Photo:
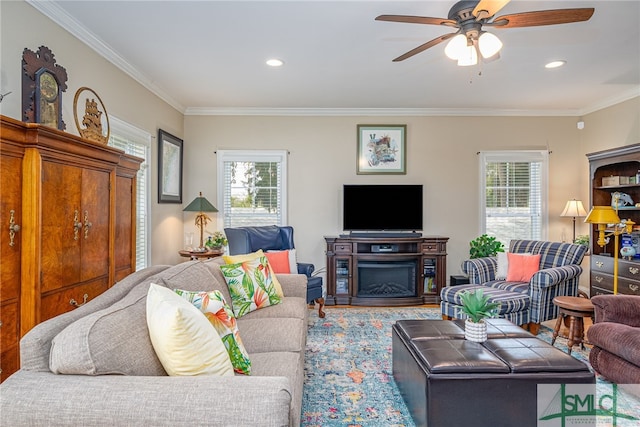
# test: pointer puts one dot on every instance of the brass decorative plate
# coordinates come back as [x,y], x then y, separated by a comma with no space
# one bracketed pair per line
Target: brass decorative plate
[95,121]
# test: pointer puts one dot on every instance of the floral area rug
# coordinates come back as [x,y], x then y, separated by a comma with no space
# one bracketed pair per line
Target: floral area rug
[348,369]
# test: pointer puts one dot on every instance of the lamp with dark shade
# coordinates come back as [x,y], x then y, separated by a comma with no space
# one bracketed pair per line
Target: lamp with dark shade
[201,205]
[574,209]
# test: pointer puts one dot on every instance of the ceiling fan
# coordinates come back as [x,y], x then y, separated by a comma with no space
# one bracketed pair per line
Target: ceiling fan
[470,41]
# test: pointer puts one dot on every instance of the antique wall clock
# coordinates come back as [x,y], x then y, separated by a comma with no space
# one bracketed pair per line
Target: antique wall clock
[43,82]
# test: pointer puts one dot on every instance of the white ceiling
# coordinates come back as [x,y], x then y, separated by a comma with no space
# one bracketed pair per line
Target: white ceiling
[207,57]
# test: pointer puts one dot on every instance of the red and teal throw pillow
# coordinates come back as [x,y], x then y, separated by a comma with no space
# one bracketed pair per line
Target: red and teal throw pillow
[220,315]
[250,285]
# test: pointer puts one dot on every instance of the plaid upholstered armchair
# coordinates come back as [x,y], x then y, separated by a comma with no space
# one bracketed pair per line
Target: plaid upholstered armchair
[526,303]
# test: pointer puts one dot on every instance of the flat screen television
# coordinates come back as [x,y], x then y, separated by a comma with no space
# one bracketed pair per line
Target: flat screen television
[382,207]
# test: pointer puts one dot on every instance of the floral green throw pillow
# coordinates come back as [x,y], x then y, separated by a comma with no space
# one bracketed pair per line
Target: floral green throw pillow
[220,315]
[250,285]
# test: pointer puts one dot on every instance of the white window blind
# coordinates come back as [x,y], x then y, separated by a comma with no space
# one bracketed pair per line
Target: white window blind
[252,187]
[136,142]
[514,189]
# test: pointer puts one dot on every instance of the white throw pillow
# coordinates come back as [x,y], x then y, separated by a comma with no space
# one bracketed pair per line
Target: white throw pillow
[184,340]
[503,266]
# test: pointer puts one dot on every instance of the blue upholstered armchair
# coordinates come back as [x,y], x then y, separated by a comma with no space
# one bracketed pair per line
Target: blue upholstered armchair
[523,303]
[244,240]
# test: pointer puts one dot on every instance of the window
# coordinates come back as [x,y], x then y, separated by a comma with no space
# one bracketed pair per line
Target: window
[514,189]
[252,187]
[136,142]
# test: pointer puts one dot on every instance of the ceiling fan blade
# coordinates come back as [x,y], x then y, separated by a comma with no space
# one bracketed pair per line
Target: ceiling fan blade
[543,17]
[417,20]
[487,8]
[424,47]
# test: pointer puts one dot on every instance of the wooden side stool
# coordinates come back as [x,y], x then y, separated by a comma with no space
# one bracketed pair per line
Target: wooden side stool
[575,309]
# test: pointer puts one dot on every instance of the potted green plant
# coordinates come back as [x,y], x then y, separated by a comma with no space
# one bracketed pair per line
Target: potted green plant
[477,306]
[582,240]
[484,246]
[216,241]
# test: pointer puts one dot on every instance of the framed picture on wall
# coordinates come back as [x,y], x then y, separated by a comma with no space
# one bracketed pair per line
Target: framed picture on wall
[381,149]
[169,168]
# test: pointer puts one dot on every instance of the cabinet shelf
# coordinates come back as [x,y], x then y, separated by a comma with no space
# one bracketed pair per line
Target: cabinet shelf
[622,161]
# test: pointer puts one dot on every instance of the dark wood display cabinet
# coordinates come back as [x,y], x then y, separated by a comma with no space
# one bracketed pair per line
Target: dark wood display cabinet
[385,271]
[613,171]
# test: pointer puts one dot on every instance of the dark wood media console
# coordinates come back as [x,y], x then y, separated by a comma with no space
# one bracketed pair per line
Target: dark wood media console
[385,271]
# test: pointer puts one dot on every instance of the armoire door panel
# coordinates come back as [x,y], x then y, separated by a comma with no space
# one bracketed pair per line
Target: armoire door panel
[95,217]
[61,225]
[11,223]
[125,222]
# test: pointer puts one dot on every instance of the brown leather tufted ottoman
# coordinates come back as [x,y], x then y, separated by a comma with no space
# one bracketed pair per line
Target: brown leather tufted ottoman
[446,380]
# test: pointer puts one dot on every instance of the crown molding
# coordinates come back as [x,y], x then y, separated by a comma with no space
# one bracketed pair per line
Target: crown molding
[58,15]
[605,103]
[372,112]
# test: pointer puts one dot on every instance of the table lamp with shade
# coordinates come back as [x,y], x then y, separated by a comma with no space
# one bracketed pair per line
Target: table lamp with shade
[605,216]
[574,209]
[201,204]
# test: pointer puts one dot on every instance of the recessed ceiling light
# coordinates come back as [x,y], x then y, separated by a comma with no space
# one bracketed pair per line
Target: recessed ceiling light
[274,62]
[555,64]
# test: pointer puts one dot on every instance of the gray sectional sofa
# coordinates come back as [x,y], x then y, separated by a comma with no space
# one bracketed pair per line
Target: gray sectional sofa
[110,375]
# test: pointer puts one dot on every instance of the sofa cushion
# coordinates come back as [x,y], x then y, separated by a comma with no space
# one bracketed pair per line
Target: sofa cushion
[251,285]
[279,261]
[522,267]
[221,316]
[184,340]
[235,259]
[272,334]
[102,342]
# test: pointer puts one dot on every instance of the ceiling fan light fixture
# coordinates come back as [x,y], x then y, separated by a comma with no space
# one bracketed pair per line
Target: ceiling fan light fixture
[456,47]
[470,57]
[489,45]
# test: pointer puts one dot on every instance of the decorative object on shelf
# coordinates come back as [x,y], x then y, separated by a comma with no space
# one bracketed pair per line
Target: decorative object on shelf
[169,168]
[95,121]
[201,205]
[582,239]
[605,216]
[574,209]
[628,252]
[381,149]
[216,241]
[620,199]
[188,241]
[484,246]
[477,306]
[43,82]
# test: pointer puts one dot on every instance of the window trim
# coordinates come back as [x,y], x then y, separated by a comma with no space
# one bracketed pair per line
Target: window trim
[279,156]
[121,129]
[528,156]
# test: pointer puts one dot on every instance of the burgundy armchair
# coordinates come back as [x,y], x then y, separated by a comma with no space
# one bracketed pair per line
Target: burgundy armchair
[615,336]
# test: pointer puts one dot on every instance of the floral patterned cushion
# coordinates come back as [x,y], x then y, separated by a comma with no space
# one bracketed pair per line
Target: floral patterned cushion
[216,309]
[250,285]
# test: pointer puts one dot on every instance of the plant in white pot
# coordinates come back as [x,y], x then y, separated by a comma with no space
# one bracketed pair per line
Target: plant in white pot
[477,306]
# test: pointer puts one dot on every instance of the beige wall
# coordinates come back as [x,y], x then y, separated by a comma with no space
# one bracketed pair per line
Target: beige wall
[25,27]
[441,150]
[441,155]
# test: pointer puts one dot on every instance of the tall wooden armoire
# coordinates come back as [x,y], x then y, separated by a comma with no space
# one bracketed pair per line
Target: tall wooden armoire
[67,226]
